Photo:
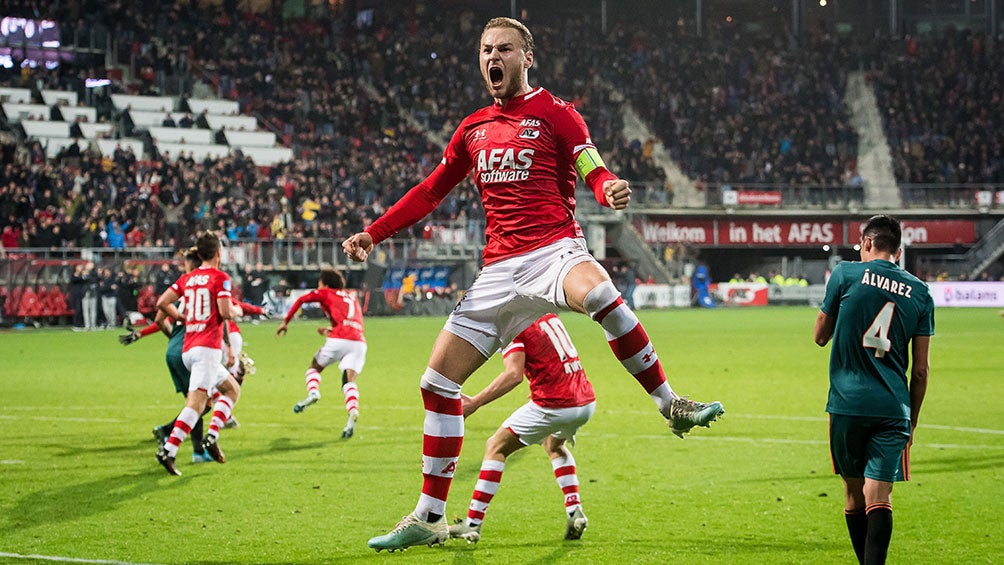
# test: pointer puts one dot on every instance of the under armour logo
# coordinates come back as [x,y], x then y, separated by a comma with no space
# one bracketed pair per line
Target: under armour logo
[647,357]
[449,468]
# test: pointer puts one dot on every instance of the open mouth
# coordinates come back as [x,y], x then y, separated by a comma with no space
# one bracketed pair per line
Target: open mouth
[495,76]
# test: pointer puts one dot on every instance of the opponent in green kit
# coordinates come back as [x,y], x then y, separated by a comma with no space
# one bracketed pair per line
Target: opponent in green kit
[180,374]
[878,316]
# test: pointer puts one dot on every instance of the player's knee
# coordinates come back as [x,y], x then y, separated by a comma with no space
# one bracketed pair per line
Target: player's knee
[437,383]
[601,296]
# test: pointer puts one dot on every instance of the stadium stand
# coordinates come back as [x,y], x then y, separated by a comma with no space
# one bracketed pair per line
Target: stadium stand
[943,127]
[319,136]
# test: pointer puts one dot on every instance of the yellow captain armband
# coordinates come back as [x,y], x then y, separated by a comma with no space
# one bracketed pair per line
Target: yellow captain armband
[588,161]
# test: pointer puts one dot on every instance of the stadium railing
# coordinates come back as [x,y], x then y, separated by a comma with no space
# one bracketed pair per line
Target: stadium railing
[755,196]
[764,196]
[983,197]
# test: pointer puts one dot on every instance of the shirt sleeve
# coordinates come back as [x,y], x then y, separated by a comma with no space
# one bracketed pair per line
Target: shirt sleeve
[515,345]
[926,323]
[225,286]
[176,287]
[831,300]
[423,198]
[573,138]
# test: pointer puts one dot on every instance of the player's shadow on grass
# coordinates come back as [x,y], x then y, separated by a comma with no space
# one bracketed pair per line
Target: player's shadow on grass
[285,444]
[974,461]
[70,503]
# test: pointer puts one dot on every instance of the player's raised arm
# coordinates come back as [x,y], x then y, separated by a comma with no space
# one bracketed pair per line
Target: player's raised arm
[573,135]
[417,203]
[618,193]
[358,246]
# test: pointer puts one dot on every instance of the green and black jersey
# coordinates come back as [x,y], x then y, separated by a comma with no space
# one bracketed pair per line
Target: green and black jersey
[878,308]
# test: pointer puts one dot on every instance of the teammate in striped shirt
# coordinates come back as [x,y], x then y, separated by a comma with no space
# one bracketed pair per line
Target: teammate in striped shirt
[525,151]
[561,402]
[207,294]
[345,343]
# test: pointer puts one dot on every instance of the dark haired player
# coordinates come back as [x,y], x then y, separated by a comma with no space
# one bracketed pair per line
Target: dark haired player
[207,295]
[561,402]
[879,316]
[345,343]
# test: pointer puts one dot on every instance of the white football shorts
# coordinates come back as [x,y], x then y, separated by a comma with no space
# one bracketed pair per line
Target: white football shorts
[532,423]
[511,294]
[204,365]
[350,354]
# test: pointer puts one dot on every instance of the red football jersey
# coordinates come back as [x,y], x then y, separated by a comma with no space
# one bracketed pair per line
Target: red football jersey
[552,365]
[523,158]
[199,290]
[342,309]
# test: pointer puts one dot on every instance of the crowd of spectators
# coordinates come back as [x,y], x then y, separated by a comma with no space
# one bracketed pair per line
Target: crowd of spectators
[736,109]
[942,99]
[366,105]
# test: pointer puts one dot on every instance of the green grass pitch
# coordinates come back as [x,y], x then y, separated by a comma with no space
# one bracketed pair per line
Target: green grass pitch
[78,479]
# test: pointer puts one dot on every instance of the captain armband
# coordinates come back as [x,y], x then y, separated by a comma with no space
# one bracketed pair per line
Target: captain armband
[588,161]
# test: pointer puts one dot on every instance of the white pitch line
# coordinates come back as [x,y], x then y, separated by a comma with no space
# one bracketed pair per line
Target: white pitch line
[780,417]
[68,559]
[916,447]
[63,419]
[959,429]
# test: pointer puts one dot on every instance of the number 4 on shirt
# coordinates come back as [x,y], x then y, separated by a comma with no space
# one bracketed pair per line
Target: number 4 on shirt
[876,336]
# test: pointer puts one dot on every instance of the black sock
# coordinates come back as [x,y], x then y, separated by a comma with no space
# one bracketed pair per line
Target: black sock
[197,437]
[879,534]
[433,517]
[857,527]
[345,378]
[168,427]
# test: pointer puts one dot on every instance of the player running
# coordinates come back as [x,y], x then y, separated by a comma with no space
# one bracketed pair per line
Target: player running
[207,306]
[175,331]
[180,375]
[879,317]
[561,402]
[525,151]
[345,343]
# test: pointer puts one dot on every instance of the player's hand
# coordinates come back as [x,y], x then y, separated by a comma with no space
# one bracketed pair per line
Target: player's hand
[267,310]
[618,193]
[323,330]
[230,358]
[126,339]
[469,406]
[358,246]
[281,330]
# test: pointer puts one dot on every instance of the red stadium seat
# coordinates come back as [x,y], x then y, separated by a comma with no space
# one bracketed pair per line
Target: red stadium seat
[29,306]
[10,309]
[54,302]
